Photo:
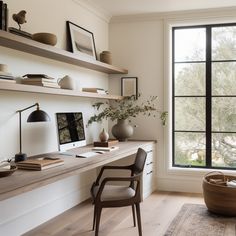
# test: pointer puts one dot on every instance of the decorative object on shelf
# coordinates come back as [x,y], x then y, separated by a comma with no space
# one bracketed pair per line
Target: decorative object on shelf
[67,83]
[3,16]
[124,109]
[129,86]
[81,41]
[105,57]
[46,38]
[20,18]
[103,136]
[35,116]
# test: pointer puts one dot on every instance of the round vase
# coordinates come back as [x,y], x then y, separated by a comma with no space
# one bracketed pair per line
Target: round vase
[122,130]
[105,57]
[104,136]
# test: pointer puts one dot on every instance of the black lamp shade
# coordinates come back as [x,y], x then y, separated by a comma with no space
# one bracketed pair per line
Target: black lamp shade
[38,116]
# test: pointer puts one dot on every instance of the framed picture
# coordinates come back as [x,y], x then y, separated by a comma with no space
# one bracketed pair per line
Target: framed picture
[129,86]
[81,40]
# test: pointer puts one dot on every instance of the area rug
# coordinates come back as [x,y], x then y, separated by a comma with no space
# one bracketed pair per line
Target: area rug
[196,220]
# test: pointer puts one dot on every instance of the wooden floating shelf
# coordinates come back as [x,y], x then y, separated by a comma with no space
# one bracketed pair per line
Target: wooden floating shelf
[19,43]
[54,91]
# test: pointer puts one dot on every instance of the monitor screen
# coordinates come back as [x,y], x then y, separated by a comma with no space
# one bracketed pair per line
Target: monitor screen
[70,128]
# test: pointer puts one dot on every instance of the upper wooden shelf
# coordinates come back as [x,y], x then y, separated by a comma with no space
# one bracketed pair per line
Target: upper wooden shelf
[54,91]
[19,43]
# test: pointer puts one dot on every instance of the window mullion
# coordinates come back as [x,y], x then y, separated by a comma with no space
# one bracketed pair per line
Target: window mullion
[208,95]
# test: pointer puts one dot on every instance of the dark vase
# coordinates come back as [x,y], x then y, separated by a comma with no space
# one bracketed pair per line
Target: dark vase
[122,130]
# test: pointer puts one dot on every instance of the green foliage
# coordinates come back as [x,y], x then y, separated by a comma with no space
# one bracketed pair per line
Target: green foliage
[126,108]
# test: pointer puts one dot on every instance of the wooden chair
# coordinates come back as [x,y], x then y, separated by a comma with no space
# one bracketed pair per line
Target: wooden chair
[105,196]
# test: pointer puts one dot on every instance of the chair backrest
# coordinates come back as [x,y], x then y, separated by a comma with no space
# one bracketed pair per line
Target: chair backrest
[139,161]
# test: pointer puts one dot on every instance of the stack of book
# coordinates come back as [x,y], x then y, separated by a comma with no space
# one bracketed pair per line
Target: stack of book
[20,32]
[7,77]
[39,164]
[109,143]
[3,16]
[94,90]
[40,80]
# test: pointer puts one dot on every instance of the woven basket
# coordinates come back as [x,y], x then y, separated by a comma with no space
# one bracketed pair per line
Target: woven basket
[219,197]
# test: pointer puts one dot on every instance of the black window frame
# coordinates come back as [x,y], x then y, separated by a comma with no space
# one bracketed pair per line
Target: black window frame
[208,95]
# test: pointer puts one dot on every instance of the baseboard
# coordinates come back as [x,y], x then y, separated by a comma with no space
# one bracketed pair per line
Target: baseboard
[180,185]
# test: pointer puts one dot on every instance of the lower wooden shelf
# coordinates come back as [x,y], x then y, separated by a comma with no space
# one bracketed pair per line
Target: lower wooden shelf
[54,91]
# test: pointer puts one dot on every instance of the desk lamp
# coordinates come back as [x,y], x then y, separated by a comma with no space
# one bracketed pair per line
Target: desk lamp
[36,116]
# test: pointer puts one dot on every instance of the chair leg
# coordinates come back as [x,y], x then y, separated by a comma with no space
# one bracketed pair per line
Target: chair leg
[139,219]
[94,217]
[133,213]
[98,217]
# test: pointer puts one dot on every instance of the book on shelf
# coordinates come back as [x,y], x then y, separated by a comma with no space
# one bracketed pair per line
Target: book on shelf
[39,164]
[39,80]
[37,76]
[3,80]
[20,32]
[94,90]
[41,83]
[109,143]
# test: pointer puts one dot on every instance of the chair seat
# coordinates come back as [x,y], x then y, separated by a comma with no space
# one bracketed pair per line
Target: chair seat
[113,192]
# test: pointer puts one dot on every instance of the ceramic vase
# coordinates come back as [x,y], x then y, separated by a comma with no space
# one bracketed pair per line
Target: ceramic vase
[104,136]
[67,83]
[122,130]
[105,57]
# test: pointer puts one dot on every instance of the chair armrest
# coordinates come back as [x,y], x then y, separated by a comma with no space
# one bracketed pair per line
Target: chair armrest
[110,168]
[114,179]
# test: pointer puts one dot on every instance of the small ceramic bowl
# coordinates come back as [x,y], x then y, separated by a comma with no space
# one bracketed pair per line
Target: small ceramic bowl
[46,38]
[7,171]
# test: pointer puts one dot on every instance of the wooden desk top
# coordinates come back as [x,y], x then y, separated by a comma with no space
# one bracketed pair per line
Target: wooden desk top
[26,180]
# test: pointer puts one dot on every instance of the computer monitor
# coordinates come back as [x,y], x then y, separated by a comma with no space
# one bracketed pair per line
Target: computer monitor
[70,128]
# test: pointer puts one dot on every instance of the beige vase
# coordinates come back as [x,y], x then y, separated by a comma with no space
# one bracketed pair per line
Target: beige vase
[105,57]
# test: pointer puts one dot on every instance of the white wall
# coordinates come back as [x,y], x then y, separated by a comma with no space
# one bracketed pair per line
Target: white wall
[44,203]
[142,44]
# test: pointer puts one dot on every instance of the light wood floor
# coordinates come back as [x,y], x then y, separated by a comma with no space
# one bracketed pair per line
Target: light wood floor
[157,212]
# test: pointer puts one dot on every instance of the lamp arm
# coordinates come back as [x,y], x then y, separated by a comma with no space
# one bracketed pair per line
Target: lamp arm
[20,111]
[36,104]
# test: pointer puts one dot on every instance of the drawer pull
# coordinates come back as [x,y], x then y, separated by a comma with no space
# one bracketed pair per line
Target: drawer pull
[150,163]
[150,172]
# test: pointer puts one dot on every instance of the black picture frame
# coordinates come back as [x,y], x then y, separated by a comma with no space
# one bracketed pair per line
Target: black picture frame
[129,86]
[81,41]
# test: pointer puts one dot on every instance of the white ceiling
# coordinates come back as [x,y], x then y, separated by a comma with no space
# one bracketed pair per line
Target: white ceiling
[127,7]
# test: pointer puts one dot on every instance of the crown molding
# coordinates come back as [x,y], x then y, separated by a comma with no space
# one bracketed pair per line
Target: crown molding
[186,14]
[94,9]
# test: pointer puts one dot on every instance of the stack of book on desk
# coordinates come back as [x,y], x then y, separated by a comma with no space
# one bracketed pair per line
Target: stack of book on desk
[39,164]
[109,143]
[94,90]
[40,80]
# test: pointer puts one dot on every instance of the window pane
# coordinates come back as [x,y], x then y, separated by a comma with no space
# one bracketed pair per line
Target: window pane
[190,114]
[224,114]
[223,78]
[190,79]
[190,44]
[224,150]
[224,43]
[190,149]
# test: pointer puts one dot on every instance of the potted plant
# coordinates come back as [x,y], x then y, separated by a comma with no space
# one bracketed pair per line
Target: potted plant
[122,111]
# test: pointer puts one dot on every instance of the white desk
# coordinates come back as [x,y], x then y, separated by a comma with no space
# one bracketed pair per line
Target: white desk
[24,180]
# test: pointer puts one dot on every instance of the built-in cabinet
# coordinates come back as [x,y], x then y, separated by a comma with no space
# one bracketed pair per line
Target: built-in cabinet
[149,173]
[19,43]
